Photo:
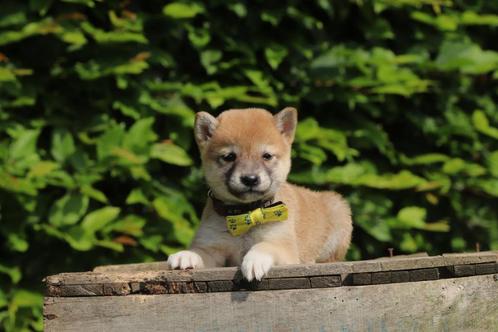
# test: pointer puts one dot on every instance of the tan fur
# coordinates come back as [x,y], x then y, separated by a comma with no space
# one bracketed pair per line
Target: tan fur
[319,226]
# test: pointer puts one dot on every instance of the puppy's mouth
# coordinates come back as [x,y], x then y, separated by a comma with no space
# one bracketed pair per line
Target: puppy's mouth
[249,193]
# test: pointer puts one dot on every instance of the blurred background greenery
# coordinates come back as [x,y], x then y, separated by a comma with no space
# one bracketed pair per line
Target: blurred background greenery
[397,102]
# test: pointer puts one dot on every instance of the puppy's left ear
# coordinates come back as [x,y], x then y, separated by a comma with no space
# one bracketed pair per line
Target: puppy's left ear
[286,122]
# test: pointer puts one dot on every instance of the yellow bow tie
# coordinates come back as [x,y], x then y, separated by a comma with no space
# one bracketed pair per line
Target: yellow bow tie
[242,223]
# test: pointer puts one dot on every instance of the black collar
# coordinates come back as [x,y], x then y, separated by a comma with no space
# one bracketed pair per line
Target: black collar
[229,210]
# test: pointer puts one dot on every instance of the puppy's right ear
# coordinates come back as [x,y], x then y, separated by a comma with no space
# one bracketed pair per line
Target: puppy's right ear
[204,127]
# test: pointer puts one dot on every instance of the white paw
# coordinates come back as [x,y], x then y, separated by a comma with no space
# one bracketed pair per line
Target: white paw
[256,265]
[185,259]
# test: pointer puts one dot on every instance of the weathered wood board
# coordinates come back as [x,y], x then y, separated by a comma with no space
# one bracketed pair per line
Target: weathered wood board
[463,304]
[452,292]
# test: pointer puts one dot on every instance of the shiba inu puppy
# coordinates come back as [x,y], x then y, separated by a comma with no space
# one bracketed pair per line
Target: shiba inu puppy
[254,218]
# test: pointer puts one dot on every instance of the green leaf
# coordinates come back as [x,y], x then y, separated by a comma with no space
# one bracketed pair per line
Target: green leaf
[408,243]
[152,242]
[3,303]
[312,153]
[88,3]
[13,272]
[106,37]
[23,298]
[456,165]
[412,217]
[364,175]
[140,135]
[107,142]
[425,159]
[15,184]
[481,123]
[24,144]
[98,219]
[94,193]
[209,58]
[398,181]
[62,145]
[68,210]
[466,57]
[492,162]
[275,55]
[472,18]
[17,242]
[171,154]
[179,10]
[110,245]
[131,224]
[166,209]
[440,226]
[6,75]
[79,239]
[136,196]
[489,186]
[199,37]
[42,168]
[378,229]
[93,69]
[15,18]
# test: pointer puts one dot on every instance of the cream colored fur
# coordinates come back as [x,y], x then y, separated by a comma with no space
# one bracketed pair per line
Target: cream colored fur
[319,226]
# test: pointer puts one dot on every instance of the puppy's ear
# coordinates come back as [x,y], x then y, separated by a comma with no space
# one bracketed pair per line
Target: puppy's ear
[204,127]
[286,121]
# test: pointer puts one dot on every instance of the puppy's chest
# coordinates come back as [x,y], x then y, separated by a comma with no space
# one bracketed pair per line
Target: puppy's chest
[241,245]
[257,235]
[216,234]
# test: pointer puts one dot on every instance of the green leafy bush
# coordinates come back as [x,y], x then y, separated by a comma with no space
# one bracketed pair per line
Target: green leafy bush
[397,104]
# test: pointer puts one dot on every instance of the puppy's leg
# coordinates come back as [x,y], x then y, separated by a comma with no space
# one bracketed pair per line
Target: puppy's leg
[196,258]
[339,239]
[339,252]
[262,256]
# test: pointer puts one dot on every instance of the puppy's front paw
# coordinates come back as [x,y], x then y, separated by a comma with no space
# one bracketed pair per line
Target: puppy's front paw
[185,259]
[256,265]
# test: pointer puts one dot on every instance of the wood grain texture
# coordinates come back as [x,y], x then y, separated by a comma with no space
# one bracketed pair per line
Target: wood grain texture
[461,304]
[137,272]
[117,281]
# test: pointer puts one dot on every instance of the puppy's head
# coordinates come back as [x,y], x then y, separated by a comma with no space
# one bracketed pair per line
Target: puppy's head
[245,152]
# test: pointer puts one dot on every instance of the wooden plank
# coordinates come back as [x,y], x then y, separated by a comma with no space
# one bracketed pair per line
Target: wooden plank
[161,266]
[400,276]
[464,270]
[471,258]
[138,267]
[486,268]
[412,263]
[381,277]
[328,281]
[418,254]
[400,262]
[391,270]
[230,273]
[460,304]
[424,274]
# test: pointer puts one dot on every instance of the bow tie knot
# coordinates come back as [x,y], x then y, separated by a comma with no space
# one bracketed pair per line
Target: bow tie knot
[240,224]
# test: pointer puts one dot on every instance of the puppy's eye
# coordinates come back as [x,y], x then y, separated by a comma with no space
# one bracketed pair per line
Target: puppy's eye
[267,156]
[229,157]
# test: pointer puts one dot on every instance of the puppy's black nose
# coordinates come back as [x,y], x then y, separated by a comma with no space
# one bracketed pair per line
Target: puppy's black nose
[250,180]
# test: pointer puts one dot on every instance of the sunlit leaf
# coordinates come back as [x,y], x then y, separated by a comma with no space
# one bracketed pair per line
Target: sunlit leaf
[68,210]
[98,219]
[182,10]
[171,154]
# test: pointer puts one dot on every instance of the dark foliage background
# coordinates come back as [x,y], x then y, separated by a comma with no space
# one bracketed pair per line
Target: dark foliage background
[397,102]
